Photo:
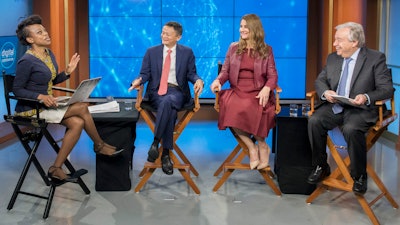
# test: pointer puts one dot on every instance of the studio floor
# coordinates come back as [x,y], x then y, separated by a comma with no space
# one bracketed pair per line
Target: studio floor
[244,199]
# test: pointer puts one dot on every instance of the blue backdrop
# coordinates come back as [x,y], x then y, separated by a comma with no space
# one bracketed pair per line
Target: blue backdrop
[121,31]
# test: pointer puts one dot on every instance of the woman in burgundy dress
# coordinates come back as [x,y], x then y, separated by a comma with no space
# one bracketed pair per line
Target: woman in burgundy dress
[248,106]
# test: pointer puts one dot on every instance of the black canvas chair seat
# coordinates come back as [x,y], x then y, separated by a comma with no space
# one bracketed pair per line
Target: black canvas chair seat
[147,106]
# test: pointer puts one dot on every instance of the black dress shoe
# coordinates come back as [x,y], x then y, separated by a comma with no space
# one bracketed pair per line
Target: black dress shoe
[318,174]
[360,185]
[167,166]
[153,152]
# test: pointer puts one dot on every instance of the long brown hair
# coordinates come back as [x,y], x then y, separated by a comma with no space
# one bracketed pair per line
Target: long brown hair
[256,34]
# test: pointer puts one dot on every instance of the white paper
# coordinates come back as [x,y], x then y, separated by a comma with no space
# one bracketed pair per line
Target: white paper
[346,100]
[112,106]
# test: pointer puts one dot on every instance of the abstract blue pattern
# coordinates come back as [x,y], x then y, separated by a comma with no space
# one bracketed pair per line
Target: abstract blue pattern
[121,31]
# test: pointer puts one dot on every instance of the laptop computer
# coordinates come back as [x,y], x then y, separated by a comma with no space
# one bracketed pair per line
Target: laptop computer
[82,92]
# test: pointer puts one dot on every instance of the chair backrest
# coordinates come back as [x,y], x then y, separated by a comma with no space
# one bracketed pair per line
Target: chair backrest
[8,81]
[142,103]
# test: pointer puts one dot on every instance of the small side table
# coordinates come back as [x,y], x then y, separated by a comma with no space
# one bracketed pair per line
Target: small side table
[117,129]
[293,162]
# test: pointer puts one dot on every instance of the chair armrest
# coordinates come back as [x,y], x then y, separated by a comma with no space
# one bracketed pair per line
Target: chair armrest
[139,98]
[385,119]
[312,95]
[216,103]
[278,91]
[196,102]
[37,103]
[26,99]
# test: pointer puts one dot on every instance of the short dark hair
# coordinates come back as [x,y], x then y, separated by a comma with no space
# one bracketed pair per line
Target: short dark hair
[177,27]
[22,32]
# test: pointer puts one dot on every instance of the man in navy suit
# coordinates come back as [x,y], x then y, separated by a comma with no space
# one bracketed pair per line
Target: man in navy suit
[365,78]
[182,69]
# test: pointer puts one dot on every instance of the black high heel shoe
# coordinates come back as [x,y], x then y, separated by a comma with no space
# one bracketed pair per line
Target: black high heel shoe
[99,147]
[58,180]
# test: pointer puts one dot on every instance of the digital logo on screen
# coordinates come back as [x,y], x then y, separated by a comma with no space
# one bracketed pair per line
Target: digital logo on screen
[8,55]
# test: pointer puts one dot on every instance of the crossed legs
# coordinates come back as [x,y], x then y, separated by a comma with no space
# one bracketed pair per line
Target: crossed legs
[167,111]
[76,119]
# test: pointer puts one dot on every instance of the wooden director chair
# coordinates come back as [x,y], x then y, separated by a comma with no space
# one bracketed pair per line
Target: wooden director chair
[340,178]
[180,161]
[30,131]
[234,160]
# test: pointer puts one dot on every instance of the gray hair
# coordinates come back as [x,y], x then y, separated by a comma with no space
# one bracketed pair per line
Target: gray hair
[356,32]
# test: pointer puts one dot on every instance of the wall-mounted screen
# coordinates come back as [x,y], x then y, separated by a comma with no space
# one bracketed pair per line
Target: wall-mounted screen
[121,31]
[9,53]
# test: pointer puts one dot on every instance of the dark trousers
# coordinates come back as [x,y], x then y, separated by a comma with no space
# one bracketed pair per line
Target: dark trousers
[167,107]
[353,127]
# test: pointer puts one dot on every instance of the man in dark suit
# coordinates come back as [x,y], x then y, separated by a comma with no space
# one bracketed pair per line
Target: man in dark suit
[362,75]
[178,62]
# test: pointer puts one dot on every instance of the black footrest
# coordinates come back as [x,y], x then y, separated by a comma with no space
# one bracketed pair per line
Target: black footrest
[74,176]
[79,173]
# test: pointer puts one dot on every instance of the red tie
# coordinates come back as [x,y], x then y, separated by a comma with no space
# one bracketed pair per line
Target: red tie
[164,76]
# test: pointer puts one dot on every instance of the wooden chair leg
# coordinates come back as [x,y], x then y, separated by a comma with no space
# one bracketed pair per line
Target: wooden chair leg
[228,159]
[342,166]
[367,209]
[223,179]
[266,175]
[189,180]
[229,167]
[372,174]
[146,176]
[185,159]
[184,169]
[341,179]
[231,164]
[319,190]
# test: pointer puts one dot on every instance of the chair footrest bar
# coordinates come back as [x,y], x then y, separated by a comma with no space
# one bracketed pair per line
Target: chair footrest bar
[79,173]
[332,182]
[33,195]
[377,198]
[238,166]
[149,165]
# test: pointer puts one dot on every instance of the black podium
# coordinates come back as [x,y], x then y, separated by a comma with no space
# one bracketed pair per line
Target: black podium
[292,154]
[117,129]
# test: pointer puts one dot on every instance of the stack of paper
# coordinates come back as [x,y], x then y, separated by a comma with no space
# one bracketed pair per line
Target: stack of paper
[346,100]
[105,107]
